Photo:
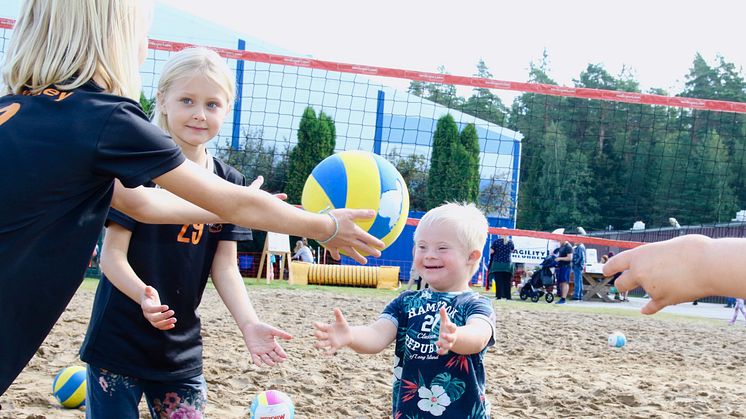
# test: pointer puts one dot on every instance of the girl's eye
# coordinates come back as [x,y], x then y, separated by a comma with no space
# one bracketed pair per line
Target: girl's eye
[213,105]
[186,101]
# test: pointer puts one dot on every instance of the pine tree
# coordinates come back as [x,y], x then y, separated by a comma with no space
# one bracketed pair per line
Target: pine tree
[316,141]
[470,142]
[445,135]
[454,164]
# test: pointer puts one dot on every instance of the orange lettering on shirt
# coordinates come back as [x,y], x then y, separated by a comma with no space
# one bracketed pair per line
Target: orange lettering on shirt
[7,112]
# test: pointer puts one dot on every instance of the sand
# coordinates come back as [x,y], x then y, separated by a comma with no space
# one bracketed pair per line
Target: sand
[545,363]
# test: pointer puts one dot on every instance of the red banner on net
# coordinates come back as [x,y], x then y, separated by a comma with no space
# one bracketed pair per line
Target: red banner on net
[544,89]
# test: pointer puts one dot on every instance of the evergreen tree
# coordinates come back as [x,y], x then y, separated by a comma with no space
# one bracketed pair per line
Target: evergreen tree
[438,184]
[531,114]
[484,104]
[454,166]
[470,142]
[316,141]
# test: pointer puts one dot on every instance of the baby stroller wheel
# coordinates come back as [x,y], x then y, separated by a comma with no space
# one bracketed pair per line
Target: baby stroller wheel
[524,294]
[535,298]
[549,297]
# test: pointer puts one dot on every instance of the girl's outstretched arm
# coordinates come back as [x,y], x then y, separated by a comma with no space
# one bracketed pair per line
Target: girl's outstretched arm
[259,337]
[252,207]
[159,206]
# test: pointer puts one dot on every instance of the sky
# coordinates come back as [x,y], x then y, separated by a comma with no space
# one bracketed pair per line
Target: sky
[656,39]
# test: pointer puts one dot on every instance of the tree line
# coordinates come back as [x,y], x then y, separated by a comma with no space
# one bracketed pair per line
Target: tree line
[605,165]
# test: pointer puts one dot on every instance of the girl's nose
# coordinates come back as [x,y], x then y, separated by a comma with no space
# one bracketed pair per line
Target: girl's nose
[199,115]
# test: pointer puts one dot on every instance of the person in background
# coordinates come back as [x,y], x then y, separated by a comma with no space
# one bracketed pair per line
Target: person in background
[414,279]
[501,268]
[563,270]
[302,252]
[578,266]
[738,307]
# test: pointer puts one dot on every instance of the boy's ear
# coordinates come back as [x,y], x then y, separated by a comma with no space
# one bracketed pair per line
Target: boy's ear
[475,255]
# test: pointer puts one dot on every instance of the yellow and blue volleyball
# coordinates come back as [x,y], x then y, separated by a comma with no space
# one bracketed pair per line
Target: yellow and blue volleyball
[360,180]
[69,387]
[272,404]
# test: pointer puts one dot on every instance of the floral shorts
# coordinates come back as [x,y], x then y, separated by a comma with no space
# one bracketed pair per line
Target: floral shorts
[116,395]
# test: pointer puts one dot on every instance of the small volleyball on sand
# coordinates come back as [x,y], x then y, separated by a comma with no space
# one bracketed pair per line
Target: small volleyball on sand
[69,387]
[617,340]
[272,404]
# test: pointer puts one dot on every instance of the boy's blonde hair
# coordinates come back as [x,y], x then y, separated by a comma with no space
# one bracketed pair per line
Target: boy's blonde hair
[468,220]
[66,43]
[192,62]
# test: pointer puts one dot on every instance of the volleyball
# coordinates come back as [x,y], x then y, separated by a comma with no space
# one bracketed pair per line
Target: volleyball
[272,404]
[69,387]
[361,180]
[617,340]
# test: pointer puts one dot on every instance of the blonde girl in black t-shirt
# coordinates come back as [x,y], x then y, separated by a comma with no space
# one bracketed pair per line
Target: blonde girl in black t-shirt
[73,139]
[147,351]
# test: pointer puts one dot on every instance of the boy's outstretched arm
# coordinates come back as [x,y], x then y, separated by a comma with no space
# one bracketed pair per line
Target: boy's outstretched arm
[468,339]
[682,269]
[260,338]
[370,339]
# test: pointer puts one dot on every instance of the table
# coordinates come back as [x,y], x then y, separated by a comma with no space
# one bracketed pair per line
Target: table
[598,287]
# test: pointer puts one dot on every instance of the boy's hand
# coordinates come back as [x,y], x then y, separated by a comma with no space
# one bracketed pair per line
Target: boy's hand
[668,271]
[448,333]
[262,345]
[331,337]
[156,313]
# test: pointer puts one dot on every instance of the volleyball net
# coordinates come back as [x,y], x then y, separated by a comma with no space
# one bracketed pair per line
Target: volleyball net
[600,156]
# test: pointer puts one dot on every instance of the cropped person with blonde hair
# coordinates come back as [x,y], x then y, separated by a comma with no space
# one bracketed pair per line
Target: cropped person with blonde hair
[71,131]
[442,333]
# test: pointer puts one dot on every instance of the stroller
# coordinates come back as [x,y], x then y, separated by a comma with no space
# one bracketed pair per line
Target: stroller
[541,282]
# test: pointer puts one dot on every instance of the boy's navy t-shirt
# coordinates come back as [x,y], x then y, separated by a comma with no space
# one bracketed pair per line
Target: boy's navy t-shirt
[428,385]
[176,261]
[59,154]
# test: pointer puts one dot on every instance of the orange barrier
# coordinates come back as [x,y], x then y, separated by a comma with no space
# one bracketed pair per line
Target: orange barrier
[303,273]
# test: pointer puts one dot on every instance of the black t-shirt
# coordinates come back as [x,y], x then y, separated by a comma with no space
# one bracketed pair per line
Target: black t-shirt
[59,154]
[175,260]
[564,250]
